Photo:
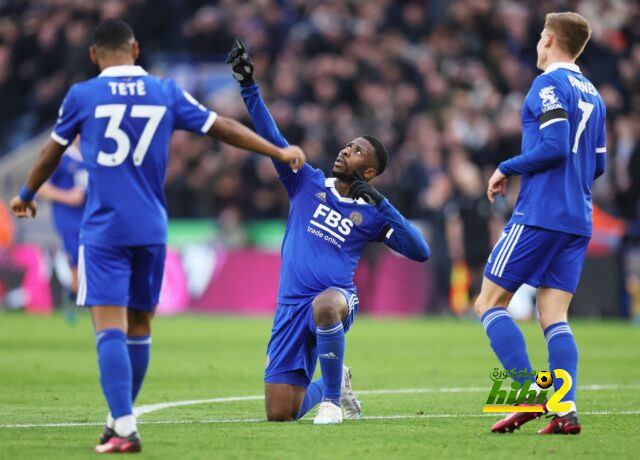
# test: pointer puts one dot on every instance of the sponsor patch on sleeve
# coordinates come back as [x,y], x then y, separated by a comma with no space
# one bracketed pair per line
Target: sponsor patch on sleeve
[548,99]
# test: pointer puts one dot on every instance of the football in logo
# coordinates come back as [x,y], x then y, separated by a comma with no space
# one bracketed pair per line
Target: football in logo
[355,217]
[544,379]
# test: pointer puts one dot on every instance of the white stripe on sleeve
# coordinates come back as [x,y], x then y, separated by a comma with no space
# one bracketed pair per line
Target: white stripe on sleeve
[60,140]
[552,121]
[207,124]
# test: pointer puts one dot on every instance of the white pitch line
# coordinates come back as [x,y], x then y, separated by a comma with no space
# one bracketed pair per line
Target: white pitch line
[146,409]
[159,406]
[262,420]
[393,391]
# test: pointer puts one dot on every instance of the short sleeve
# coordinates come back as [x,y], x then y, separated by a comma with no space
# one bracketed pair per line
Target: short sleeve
[188,113]
[68,123]
[547,101]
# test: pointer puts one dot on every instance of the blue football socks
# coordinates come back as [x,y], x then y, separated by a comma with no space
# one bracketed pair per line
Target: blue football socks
[563,354]
[312,397]
[115,371]
[139,347]
[330,343]
[507,341]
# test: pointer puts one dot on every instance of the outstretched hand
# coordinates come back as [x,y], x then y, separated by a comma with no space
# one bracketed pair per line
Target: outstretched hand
[497,185]
[241,64]
[23,208]
[360,188]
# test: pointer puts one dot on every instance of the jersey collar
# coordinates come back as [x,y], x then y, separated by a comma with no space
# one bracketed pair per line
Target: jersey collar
[330,183]
[562,65]
[123,71]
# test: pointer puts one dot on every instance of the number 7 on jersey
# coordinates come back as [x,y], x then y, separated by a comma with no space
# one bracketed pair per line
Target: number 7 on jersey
[586,108]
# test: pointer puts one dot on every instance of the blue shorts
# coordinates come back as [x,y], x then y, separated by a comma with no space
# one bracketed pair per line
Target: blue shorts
[127,276]
[71,242]
[292,354]
[538,257]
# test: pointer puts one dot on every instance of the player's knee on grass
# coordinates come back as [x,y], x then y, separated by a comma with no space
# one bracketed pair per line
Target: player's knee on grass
[280,414]
[282,402]
[329,307]
[139,322]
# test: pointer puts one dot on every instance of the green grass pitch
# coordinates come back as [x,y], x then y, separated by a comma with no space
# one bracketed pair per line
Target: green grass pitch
[48,376]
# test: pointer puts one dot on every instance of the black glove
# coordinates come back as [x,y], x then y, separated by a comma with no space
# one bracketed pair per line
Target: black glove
[363,189]
[241,64]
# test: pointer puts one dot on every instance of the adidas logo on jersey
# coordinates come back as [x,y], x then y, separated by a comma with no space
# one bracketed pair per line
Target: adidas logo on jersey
[322,195]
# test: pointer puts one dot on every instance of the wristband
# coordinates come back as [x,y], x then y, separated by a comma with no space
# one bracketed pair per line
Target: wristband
[26,195]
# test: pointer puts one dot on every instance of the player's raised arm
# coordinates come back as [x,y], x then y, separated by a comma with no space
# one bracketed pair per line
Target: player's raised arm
[265,125]
[47,161]
[399,234]
[192,116]
[234,133]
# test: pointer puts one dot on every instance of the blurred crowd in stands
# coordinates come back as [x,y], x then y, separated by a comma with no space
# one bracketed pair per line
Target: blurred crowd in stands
[440,82]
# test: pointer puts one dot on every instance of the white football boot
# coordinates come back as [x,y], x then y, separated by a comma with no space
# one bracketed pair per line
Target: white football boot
[351,407]
[328,414]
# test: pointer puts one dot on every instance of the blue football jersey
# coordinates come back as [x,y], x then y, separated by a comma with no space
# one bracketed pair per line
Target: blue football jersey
[125,119]
[559,198]
[70,173]
[325,236]
[326,233]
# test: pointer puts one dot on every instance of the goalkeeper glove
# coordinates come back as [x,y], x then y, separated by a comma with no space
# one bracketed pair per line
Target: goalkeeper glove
[363,189]
[241,64]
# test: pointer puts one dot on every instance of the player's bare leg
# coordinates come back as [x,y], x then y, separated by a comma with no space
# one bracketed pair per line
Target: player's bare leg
[329,307]
[110,323]
[506,340]
[74,280]
[69,309]
[109,317]
[491,296]
[282,401]
[553,305]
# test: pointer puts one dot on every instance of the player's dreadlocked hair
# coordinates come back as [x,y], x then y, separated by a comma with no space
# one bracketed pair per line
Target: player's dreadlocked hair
[113,34]
[382,157]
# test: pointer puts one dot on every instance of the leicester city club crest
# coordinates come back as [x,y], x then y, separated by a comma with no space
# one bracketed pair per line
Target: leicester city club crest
[355,217]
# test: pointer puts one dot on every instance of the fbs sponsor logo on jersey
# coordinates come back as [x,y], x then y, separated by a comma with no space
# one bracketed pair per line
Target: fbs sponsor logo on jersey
[549,99]
[522,393]
[329,225]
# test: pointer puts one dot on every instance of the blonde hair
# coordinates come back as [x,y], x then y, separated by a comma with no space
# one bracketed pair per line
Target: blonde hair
[572,31]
